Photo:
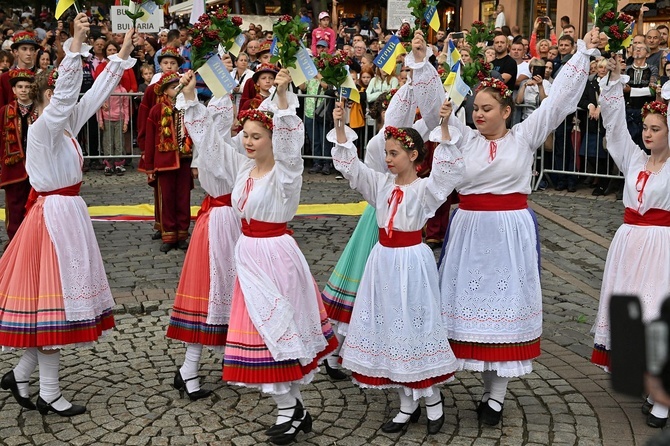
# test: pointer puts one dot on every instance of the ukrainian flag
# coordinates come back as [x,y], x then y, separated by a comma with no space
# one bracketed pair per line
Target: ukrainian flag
[452,74]
[62,6]
[453,56]
[386,59]
[217,77]
[432,18]
[458,90]
[349,90]
[305,68]
[237,45]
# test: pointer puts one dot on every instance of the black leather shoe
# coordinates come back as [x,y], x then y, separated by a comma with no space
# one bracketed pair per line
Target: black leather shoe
[43,407]
[480,406]
[180,384]
[490,416]
[167,247]
[572,188]
[334,374]
[653,421]
[646,407]
[391,427]
[182,244]
[598,191]
[305,426]
[10,383]
[156,235]
[560,187]
[278,429]
[434,426]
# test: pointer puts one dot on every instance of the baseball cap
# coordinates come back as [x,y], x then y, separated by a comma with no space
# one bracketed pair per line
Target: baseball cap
[322,43]
[323,15]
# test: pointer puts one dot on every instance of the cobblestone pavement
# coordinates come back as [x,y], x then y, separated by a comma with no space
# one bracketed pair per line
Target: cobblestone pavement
[125,381]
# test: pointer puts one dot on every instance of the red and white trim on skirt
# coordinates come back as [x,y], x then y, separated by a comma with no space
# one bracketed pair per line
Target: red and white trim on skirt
[385,382]
[601,356]
[516,351]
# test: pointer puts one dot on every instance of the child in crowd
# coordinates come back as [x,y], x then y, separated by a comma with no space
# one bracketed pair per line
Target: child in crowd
[113,118]
[264,78]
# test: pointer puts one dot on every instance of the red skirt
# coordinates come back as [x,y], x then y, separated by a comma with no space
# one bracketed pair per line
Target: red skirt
[518,351]
[32,312]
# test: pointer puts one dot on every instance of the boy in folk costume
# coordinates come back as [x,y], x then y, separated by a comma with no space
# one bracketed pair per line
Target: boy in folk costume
[24,50]
[15,117]
[167,161]
[263,79]
[169,62]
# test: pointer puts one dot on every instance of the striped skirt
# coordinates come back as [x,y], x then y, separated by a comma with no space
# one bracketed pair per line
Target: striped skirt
[32,311]
[340,291]
[247,359]
[192,305]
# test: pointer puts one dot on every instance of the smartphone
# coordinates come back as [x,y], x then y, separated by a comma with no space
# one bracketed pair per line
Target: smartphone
[350,30]
[539,71]
[628,355]
[375,22]
[458,35]
[544,19]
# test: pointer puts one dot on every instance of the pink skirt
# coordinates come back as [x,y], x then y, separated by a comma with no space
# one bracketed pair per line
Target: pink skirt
[32,311]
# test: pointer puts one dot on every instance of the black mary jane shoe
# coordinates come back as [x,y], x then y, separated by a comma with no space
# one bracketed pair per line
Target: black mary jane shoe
[305,426]
[489,415]
[646,407]
[180,384]
[43,407]
[334,374]
[434,426]
[10,383]
[655,422]
[480,406]
[391,427]
[278,429]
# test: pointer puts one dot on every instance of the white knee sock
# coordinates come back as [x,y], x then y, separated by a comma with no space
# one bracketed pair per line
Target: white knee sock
[434,404]
[659,411]
[333,358]
[285,407]
[190,367]
[49,385]
[487,377]
[295,392]
[498,391]
[407,405]
[24,369]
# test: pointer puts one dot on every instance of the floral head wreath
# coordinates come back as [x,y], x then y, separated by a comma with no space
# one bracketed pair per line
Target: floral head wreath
[164,81]
[655,107]
[52,77]
[21,74]
[388,97]
[496,84]
[263,117]
[399,135]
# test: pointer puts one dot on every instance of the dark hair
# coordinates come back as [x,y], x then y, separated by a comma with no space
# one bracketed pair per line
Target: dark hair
[173,34]
[376,108]
[663,26]
[506,31]
[569,26]
[153,42]
[568,38]
[40,85]
[419,145]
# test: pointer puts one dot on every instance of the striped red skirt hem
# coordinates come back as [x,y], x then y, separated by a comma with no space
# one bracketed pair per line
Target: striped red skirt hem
[601,356]
[336,309]
[265,370]
[518,351]
[188,330]
[385,382]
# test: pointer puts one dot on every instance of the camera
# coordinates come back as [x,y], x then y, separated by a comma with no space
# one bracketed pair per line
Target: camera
[458,35]
[638,348]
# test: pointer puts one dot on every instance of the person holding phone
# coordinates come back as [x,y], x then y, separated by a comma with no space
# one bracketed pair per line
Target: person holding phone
[534,90]
[535,49]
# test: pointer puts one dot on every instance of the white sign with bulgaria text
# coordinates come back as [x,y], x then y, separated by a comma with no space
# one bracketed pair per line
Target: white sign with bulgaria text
[122,23]
[397,11]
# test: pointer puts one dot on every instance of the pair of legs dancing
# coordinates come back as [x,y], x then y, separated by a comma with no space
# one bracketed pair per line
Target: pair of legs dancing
[50,397]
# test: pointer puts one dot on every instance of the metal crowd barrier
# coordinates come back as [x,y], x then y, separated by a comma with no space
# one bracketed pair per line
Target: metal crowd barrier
[554,161]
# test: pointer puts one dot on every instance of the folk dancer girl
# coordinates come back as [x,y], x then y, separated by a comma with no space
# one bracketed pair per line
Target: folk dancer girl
[489,271]
[278,328]
[638,260]
[53,286]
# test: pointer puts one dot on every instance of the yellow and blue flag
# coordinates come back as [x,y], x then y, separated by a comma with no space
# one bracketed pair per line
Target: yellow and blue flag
[451,77]
[386,59]
[453,55]
[432,18]
[305,68]
[237,45]
[458,90]
[62,6]
[349,90]
[217,77]
[274,47]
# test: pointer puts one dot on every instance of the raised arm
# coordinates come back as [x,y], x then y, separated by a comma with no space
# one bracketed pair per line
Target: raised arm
[345,159]
[428,89]
[565,94]
[288,135]
[105,83]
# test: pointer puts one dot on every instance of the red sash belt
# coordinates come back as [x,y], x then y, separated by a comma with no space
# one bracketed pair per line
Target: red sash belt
[399,239]
[492,202]
[214,202]
[69,191]
[653,217]
[264,229]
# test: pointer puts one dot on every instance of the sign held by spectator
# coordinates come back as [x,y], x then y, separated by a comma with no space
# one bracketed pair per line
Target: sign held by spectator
[122,23]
